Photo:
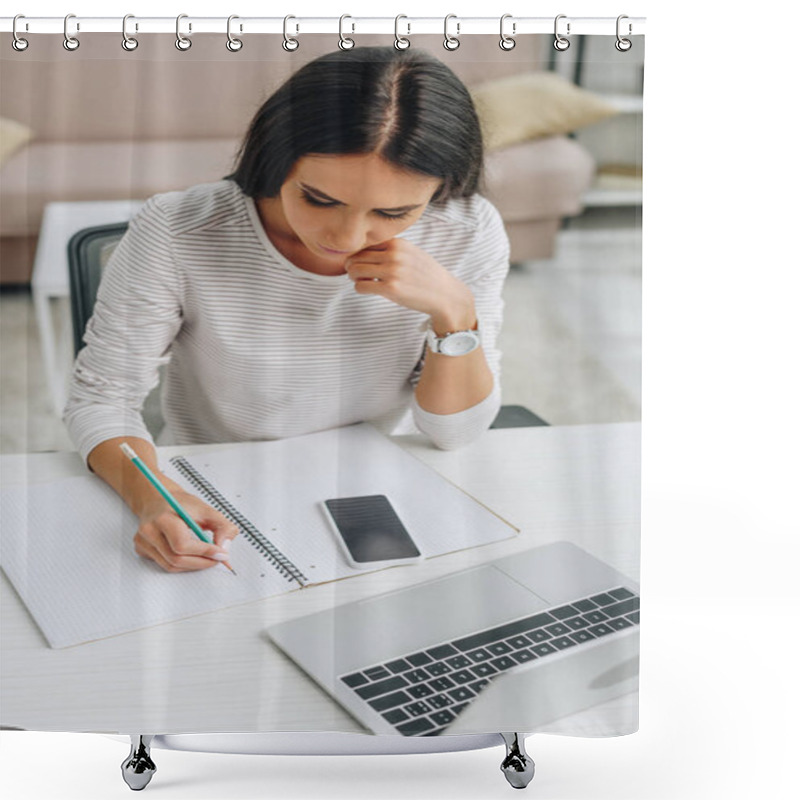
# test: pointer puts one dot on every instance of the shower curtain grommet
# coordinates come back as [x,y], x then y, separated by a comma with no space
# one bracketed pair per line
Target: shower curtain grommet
[181,42]
[451,42]
[622,44]
[401,42]
[71,43]
[561,43]
[129,43]
[507,42]
[345,43]
[233,44]
[17,42]
[290,44]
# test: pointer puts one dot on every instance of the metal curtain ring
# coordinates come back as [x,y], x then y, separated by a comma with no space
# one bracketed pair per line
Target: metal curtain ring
[233,44]
[623,45]
[344,42]
[506,41]
[290,44]
[70,42]
[181,42]
[18,43]
[400,42]
[128,42]
[560,43]
[451,42]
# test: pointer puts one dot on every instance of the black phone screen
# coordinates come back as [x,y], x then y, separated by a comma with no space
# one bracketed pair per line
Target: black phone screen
[371,529]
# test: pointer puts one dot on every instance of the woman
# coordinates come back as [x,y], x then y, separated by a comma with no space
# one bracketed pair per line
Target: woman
[347,270]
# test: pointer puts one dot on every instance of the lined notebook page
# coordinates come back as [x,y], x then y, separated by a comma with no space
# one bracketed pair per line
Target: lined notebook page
[67,546]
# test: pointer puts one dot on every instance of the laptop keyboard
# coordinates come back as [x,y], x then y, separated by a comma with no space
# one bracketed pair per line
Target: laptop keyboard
[422,693]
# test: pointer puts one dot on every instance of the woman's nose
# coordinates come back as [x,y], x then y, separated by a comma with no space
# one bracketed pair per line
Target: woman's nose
[348,235]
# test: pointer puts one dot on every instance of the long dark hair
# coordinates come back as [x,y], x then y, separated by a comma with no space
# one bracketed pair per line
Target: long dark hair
[406,106]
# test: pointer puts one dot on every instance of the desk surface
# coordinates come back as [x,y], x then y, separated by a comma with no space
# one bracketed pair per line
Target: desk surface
[220,672]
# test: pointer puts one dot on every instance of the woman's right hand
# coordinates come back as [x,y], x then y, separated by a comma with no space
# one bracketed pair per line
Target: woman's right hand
[166,539]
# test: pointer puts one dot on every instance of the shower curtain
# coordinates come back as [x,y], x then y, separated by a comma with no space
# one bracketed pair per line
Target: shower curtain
[376,332]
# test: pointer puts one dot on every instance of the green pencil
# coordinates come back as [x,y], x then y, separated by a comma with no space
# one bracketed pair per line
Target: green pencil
[164,492]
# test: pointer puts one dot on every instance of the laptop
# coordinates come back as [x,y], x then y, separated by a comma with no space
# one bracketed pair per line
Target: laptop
[512,644]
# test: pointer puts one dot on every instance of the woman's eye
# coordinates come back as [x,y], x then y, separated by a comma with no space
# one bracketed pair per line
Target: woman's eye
[314,202]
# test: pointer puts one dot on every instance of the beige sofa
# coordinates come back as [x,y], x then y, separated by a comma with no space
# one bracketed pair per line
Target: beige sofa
[109,124]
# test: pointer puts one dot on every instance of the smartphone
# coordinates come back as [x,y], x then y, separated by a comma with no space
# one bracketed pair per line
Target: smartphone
[370,532]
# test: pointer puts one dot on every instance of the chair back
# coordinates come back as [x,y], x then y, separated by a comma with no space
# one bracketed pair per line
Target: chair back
[88,252]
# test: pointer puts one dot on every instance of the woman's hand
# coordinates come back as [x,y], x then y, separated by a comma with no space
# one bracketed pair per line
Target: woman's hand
[405,274]
[165,538]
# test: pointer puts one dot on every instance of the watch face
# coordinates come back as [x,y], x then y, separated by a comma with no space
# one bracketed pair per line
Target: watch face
[459,344]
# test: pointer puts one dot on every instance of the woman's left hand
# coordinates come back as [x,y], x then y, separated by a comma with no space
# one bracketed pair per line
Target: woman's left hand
[405,274]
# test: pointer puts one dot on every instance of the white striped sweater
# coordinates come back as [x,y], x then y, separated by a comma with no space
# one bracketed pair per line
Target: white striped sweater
[257,348]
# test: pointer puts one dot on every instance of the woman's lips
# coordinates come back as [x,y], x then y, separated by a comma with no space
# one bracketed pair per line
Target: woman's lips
[334,252]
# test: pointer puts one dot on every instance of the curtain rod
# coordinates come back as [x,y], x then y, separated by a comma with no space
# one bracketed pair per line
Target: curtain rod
[296,26]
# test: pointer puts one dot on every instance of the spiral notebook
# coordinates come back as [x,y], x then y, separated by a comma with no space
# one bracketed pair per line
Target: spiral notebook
[68,547]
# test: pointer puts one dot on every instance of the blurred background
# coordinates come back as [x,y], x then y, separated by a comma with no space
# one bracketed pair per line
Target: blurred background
[83,142]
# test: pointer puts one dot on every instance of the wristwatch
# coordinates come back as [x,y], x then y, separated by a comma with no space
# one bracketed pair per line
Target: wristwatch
[456,343]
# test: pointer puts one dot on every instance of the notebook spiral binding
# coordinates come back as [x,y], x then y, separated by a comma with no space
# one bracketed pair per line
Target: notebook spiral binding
[283,565]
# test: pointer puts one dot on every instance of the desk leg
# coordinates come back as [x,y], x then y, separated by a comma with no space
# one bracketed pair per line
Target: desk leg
[138,768]
[518,766]
[44,322]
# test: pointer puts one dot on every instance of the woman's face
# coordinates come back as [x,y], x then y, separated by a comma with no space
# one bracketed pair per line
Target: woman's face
[335,206]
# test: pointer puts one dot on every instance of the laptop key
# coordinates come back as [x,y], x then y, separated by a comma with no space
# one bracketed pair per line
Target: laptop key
[625,607]
[462,676]
[459,708]
[442,717]
[484,670]
[518,642]
[439,701]
[461,694]
[381,687]
[563,642]
[388,701]
[539,636]
[559,629]
[398,666]
[415,726]
[419,690]
[356,679]
[563,612]
[442,651]
[499,648]
[440,684]
[376,673]
[479,655]
[577,623]
[417,709]
[578,636]
[584,605]
[458,662]
[601,629]
[395,715]
[417,675]
[504,662]
[602,599]
[523,656]
[438,668]
[595,616]
[634,618]
[543,649]
[621,594]
[478,685]
[619,623]
[419,659]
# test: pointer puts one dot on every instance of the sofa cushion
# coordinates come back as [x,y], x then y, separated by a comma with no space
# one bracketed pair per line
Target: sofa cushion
[531,105]
[13,135]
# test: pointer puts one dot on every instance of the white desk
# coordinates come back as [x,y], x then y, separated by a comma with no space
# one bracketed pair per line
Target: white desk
[219,672]
[50,279]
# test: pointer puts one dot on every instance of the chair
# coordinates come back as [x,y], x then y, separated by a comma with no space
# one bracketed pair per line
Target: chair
[88,252]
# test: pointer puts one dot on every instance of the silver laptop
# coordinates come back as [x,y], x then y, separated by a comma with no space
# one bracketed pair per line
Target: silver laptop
[512,644]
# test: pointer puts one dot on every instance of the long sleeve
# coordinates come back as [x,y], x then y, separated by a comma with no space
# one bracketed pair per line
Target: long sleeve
[136,316]
[490,250]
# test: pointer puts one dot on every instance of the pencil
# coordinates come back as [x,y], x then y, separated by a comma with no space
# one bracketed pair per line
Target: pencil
[164,492]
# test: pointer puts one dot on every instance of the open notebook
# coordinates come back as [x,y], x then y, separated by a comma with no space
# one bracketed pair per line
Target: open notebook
[67,545]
